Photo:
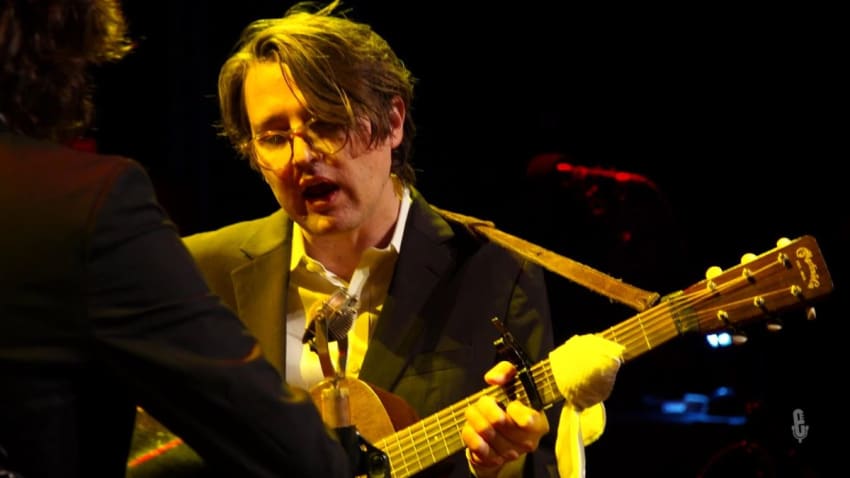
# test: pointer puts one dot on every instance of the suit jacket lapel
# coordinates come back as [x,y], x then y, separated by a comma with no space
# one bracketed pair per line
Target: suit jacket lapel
[260,285]
[425,256]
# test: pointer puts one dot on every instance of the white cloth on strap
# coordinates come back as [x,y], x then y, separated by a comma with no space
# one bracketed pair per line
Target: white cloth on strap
[584,368]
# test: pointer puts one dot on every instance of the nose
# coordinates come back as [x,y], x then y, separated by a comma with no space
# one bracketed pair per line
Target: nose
[303,152]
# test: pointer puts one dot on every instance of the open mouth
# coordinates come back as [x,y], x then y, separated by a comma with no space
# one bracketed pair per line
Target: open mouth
[319,191]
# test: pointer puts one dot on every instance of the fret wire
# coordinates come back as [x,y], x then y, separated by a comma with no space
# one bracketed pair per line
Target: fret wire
[410,435]
[427,441]
[443,433]
[456,417]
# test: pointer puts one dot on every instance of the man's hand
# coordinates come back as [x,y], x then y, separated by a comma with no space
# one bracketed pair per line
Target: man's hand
[495,436]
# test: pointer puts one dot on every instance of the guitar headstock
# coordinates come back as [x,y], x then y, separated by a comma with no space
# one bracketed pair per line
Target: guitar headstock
[791,276]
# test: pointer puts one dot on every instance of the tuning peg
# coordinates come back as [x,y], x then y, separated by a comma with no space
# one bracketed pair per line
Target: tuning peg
[713,272]
[748,257]
[782,242]
[811,314]
[774,326]
[739,338]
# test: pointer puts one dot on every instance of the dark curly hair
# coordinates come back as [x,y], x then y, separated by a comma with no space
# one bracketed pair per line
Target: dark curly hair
[46,49]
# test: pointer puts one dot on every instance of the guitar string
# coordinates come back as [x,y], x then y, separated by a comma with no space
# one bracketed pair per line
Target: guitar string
[457,417]
[654,324]
[420,440]
[651,324]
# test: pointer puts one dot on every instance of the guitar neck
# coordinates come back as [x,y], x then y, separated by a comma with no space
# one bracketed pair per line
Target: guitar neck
[788,277]
[438,436]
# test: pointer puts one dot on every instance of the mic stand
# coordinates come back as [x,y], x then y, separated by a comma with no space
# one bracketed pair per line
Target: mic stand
[364,457]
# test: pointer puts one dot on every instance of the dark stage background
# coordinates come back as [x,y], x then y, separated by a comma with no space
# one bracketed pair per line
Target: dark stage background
[727,118]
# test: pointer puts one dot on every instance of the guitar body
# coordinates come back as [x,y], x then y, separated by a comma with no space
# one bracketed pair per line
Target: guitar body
[375,412]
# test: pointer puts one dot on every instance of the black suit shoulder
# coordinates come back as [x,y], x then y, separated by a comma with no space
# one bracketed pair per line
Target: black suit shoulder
[51,196]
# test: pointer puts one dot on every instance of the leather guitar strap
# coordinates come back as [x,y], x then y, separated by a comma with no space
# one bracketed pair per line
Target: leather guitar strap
[320,342]
[577,272]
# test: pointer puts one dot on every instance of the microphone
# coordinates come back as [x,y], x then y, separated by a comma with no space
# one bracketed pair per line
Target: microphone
[339,311]
[332,321]
[336,316]
[799,429]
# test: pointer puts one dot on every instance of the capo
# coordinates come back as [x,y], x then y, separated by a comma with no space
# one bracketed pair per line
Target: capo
[509,350]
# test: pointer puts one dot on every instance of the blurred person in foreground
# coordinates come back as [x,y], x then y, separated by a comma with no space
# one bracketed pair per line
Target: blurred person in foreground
[102,308]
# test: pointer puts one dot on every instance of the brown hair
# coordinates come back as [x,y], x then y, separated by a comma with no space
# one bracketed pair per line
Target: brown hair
[345,70]
[46,49]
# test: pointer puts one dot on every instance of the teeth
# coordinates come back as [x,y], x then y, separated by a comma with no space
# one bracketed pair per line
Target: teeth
[309,183]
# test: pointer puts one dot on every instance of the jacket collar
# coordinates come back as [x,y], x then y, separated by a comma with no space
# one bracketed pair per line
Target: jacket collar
[425,257]
[271,233]
[259,284]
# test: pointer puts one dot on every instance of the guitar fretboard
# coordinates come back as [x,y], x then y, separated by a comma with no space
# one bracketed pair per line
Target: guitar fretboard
[790,276]
[438,436]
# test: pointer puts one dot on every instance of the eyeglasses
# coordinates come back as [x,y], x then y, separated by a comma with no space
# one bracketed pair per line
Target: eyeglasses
[274,148]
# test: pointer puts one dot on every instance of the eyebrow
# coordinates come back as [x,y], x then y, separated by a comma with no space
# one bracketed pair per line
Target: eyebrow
[275,123]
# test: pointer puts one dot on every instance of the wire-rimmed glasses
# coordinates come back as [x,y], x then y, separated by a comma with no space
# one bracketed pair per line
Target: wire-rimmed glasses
[275,148]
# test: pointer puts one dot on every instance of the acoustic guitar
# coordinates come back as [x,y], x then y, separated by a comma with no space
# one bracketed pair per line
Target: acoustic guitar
[791,276]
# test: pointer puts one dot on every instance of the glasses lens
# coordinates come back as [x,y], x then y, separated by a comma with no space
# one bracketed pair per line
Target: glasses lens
[274,148]
[325,137]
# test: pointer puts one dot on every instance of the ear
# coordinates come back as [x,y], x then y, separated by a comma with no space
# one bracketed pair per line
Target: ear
[397,115]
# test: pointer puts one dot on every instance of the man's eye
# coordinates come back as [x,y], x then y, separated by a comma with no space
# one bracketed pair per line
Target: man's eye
[274,139]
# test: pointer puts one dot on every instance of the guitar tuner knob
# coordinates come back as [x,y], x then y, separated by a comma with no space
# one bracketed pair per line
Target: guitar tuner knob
[713,272]
[748,257]
[782,242]
[774,326]
[739,339]
[811,314]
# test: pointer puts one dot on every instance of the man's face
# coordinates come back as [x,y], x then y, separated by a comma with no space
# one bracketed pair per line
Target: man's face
[325,189]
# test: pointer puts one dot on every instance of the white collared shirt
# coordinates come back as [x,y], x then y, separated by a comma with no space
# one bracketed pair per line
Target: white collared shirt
[310,284]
